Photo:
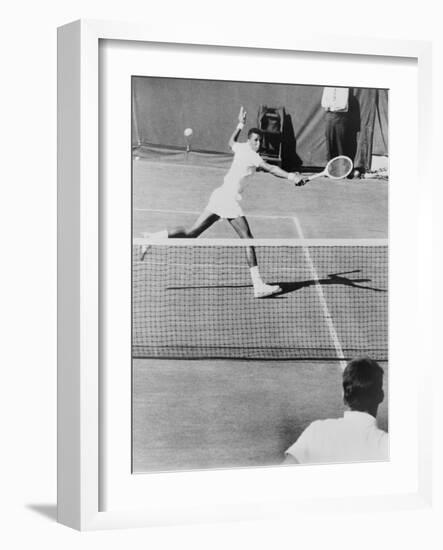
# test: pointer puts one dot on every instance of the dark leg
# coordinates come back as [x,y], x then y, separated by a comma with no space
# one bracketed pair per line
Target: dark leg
[329,128]
[243,230]
[335,133]
[204,221]
[340,135]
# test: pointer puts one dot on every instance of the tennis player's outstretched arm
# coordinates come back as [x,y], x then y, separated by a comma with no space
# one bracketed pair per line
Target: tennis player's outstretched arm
[293,177]
[239,127]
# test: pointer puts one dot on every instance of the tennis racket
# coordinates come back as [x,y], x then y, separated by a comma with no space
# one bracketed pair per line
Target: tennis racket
[336,169]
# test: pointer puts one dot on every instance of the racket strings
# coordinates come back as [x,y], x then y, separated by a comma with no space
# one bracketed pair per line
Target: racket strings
[339,167]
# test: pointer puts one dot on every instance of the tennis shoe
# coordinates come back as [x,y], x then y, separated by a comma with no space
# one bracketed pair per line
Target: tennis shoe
[261,291]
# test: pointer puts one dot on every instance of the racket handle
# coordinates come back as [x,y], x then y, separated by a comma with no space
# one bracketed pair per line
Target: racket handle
[322,173]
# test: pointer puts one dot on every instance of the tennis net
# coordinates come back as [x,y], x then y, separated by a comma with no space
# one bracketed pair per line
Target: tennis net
[197,302]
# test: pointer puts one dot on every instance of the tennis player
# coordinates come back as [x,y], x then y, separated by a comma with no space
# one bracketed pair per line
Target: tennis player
[224,202]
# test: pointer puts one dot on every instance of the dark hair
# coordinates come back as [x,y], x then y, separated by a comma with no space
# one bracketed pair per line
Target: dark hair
[254,131]
[363,384]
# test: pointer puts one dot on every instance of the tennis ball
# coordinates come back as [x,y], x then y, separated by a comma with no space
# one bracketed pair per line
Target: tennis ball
[188,132]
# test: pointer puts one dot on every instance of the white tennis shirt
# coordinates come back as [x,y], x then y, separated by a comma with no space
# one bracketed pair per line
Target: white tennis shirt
[335,99]
[244,164]
[353,438]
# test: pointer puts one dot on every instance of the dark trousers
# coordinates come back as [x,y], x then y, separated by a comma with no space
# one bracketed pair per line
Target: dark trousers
[335,133]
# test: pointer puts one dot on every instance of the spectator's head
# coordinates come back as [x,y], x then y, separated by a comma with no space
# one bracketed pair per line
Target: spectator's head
[363,385]
[254,138]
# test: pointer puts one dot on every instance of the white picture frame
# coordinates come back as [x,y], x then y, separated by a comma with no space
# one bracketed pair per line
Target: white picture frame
[80,367]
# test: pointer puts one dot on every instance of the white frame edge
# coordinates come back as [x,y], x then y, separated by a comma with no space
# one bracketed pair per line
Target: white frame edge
[68,278]
[78,259]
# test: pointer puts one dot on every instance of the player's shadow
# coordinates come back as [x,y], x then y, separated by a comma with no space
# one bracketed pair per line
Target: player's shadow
[332,279]
[290,159]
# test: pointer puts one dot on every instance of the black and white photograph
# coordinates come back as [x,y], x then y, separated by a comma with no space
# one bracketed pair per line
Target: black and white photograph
[259,274]
[224,339]
[196,160]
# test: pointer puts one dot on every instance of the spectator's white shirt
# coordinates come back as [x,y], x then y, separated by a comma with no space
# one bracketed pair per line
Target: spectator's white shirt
[243,166]
[335,99]
[353,438]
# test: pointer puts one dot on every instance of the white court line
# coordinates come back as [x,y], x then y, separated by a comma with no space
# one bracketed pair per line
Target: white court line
[281,241]
[322,299]
[183,164]
[237,242]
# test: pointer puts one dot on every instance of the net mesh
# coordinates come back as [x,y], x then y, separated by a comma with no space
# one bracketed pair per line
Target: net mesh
[198,302]
[339,167]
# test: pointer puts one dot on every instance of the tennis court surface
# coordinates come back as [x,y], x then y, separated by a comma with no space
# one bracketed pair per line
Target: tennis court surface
[221,379]
[171,189]
[226,414]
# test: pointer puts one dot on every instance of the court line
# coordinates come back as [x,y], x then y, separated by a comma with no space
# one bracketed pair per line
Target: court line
[184,164]
[314,274]
[196,213]
[237,242]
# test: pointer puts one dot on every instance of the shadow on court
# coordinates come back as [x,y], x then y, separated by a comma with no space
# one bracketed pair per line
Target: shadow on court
[289,287]
[333,279]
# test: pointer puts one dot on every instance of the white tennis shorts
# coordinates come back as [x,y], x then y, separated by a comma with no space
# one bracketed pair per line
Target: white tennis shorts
[225,203]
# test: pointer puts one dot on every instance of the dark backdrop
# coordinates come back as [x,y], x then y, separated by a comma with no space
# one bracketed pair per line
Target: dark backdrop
[164,107]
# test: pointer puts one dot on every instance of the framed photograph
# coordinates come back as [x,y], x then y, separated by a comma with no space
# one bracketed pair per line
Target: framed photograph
[238,244]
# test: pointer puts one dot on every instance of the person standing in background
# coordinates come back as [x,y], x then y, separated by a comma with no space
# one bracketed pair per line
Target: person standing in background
[335,102]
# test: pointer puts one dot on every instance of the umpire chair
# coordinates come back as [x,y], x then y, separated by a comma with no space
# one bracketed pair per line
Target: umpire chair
[270,122]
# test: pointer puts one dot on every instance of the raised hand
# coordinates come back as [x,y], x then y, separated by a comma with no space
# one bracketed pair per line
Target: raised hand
[242,115]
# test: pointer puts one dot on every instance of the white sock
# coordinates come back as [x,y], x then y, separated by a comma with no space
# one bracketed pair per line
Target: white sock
[255,276]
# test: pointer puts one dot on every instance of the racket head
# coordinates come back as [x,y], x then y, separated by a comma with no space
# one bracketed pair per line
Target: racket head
[339,167]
